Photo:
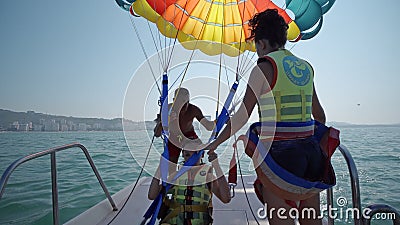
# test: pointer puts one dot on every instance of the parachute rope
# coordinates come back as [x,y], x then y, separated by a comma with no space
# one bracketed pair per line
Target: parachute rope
[243,184]
[145,53]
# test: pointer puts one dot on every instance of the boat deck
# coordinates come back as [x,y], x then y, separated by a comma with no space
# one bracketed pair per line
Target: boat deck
[237,212]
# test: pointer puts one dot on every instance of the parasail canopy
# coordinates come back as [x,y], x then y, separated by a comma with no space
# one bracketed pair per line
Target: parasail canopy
[215,26]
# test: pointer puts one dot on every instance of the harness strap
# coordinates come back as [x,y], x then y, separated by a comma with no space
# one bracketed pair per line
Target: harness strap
[288,179]
[303,105]
[178,208]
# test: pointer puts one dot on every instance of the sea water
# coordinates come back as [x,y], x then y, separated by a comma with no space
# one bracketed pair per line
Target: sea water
[27,196]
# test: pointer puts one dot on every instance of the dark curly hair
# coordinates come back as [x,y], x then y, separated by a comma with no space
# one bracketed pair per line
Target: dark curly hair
[269,25]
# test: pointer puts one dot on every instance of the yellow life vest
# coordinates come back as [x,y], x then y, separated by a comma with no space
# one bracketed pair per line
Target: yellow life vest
[190,199]
[291,96]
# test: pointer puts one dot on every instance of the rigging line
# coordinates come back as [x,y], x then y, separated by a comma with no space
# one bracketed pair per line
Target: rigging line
[241,177]
[240,43]
[163,58]
[193,51]
[249,64]
[243,61]
[248,52]
[183,77]
[137,180]
[293,45]
[165,36]
[226,73]
[145,53]
[160,59]
[236,100]
[220,59]
[177,78]
[173,83]
[177,32]
[170,50]
[201,31]
[168,55]
[159,47]
[235,103]
[219,85]
[250,61]
[162,50]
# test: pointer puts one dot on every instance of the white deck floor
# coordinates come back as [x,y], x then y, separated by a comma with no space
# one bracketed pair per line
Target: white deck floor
[237,212]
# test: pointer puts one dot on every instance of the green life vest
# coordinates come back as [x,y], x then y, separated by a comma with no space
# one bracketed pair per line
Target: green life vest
[190,199]
[291,96]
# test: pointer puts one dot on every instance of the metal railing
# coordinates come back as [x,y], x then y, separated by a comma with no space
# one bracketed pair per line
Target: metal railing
[52,151]
[355,194]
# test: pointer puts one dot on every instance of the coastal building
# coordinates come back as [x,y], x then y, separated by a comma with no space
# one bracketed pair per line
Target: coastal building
[38,127]
[17,126]
[23,127]
[14,126]
[51,125]
[64,127]
[97,126]
[82,127]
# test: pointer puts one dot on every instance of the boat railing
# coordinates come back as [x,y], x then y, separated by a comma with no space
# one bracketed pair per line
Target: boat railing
[52,152]
[356,200]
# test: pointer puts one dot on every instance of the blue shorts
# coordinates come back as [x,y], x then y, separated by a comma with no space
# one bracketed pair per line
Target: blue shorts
[301,157]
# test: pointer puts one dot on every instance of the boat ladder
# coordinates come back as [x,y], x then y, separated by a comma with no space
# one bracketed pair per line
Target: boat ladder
[52,152]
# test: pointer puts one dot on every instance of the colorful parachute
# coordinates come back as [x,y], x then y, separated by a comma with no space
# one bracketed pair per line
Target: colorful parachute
[225,21]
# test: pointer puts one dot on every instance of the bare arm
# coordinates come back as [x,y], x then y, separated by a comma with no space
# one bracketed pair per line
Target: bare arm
[158,129]
[317,110]
[155,186]
[219,185]
[208,124]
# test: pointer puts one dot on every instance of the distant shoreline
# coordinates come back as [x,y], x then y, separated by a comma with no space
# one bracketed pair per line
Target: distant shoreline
[31,121]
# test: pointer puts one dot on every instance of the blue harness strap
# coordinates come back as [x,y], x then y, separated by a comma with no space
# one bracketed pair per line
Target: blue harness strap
[165,132]
[154,208]
[223,117]
[281,172]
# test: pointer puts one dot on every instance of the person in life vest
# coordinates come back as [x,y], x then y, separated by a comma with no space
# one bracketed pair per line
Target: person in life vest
[282,86]
[182,134]
[189,201]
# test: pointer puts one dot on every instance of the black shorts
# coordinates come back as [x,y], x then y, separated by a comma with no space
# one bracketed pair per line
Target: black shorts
[301,157]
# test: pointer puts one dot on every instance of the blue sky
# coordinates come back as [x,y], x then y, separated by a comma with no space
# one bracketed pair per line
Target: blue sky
[76,58]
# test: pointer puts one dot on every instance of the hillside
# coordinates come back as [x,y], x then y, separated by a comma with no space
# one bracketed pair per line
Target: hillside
[9,120]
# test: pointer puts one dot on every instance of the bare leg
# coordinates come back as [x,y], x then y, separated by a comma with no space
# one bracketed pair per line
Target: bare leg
[278,210]
[309,204]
